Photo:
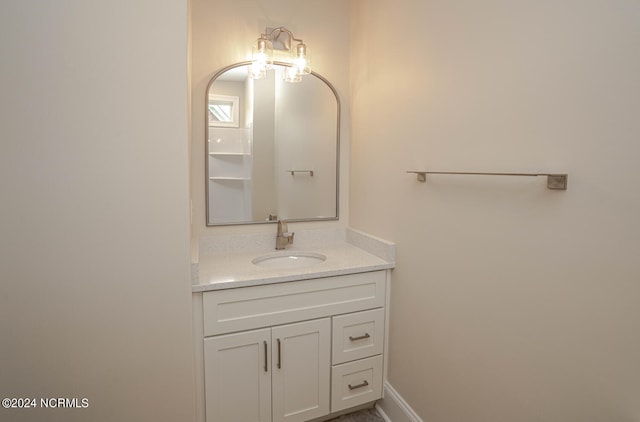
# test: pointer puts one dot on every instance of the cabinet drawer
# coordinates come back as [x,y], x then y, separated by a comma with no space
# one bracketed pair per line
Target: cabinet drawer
[356,383]
[232,310]
[357,335]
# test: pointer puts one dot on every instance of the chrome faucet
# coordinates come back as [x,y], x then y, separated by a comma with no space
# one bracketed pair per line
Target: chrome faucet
[283,238]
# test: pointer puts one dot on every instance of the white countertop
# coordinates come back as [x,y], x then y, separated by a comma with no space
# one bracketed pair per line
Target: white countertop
[226,263]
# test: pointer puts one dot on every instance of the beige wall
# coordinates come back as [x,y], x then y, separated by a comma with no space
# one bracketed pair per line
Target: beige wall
[94,217]
[510,302]
[222,33]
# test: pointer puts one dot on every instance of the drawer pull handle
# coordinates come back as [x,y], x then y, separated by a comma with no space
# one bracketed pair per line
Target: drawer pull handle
[366,335]
[266,367]
[353,387]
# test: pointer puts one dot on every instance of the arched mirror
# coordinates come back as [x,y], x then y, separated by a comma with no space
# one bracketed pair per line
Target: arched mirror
[272,148]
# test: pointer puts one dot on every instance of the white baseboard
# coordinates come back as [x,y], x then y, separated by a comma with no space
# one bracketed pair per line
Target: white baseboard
[393,408]
[381,413]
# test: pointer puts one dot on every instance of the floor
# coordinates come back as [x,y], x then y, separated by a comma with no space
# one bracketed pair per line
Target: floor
[366,415]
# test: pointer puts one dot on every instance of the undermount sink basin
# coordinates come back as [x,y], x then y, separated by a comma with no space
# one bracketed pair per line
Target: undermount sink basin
[285,260]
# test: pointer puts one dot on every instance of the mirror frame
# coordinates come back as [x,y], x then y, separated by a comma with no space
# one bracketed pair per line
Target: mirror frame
[206,151]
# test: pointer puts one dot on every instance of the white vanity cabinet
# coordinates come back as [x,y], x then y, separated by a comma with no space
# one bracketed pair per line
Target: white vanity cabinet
[275,374]
[294,351]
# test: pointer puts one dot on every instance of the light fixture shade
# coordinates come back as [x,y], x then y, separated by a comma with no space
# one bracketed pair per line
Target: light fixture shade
[291,74]
[262,58]
[301,59]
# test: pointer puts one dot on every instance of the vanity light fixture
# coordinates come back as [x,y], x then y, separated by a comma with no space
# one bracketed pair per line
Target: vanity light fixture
[297,58]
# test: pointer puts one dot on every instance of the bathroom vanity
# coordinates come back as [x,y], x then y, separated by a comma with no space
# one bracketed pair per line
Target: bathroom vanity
[297,334]
[293,335]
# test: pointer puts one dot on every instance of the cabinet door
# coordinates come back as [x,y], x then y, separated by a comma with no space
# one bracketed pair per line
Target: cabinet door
[301,370]
[238,377]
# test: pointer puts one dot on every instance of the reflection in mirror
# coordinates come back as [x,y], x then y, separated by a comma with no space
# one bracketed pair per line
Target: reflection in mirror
[271,148]
[223,110]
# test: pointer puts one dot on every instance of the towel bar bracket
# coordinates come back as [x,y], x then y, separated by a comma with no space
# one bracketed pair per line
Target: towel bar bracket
[557,181]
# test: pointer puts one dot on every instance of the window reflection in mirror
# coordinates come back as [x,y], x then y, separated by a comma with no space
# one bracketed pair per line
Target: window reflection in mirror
[223,111]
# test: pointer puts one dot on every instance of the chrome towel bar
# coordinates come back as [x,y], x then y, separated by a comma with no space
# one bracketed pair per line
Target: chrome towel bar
[554,181]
